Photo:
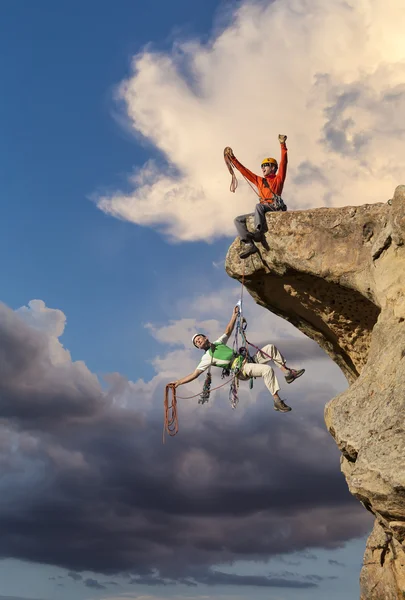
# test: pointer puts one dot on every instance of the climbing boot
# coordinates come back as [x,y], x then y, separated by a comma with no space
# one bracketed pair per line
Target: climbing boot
[293,375]
[281,406]
[248,250]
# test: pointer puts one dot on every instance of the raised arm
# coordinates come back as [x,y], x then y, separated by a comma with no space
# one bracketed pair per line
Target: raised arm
[242,169]
[282,169]
[231,324]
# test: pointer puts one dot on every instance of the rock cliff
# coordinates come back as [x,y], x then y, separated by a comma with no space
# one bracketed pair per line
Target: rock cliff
[338,275]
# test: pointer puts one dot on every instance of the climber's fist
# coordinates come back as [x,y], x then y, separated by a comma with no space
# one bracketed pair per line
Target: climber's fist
[282,138]
[228,152]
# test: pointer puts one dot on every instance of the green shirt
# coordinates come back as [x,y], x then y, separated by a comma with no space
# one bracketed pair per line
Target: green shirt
[222,357]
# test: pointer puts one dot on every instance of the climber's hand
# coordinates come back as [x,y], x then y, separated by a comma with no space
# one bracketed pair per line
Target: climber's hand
[282,138]
[229,152]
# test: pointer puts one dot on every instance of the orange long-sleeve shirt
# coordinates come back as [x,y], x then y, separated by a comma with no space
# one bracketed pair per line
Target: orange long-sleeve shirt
[275,183]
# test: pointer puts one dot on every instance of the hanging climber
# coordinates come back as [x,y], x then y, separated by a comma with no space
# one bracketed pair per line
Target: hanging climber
[269,186]
[218,354]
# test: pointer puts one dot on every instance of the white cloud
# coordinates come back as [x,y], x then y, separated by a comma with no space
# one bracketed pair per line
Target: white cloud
[181,331]
[51,323]
[329,74]
[49,320]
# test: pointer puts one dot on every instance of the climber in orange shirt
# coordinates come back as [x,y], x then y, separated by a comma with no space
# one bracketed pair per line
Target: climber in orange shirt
[269,186]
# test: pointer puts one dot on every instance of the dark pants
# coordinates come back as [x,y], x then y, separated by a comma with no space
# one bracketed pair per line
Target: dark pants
[260,223]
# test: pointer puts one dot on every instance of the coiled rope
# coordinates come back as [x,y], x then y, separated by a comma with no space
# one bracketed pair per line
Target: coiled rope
[231,169]
[171,421]
[234,181]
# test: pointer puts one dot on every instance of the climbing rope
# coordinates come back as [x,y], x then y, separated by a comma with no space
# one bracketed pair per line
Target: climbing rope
[234,181]
[231,169]
[171,423]
[199,394]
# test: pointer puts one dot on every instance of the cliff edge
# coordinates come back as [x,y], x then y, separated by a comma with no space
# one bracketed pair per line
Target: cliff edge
[338,275]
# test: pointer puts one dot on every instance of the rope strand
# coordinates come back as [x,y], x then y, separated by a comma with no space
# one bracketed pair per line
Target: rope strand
[171,423]
[199,393]
[234,181]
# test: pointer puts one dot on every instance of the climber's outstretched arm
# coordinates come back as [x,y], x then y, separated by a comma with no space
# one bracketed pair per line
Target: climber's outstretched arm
[187,378]
[241,168]
[244,171]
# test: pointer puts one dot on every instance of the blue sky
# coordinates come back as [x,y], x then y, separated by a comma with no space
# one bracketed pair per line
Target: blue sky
[59,143]
[116,219]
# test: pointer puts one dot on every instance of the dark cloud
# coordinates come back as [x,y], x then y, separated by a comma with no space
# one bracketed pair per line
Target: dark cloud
[286,561]
[89,467]
[341,133]
[215,577]
[318,578]
[150,580]
[308,555]
[33,392]
[220,578]
[75,576]
[18,598]
[93,583]
[336,563]
[308,173]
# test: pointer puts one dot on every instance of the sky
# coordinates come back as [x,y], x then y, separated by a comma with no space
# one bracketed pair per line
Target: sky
[116,220]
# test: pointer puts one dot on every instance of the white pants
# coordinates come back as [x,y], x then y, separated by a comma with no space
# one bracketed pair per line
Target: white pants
[260,369]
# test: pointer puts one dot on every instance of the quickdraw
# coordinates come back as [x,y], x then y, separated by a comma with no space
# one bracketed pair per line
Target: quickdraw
[206,392]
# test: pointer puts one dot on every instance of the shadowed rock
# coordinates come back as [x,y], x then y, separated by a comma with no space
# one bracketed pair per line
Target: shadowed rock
[338,275]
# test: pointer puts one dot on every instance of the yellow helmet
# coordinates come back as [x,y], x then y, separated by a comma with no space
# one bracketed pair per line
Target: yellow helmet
[270,161]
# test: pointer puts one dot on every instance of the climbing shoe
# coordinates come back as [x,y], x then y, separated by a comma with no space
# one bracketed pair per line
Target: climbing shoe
[293,375]
[248,250]
[281,406]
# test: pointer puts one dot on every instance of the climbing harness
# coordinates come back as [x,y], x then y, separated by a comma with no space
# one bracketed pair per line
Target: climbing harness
[278,203]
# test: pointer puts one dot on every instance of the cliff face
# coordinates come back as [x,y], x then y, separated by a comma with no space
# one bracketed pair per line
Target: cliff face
[338,275]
